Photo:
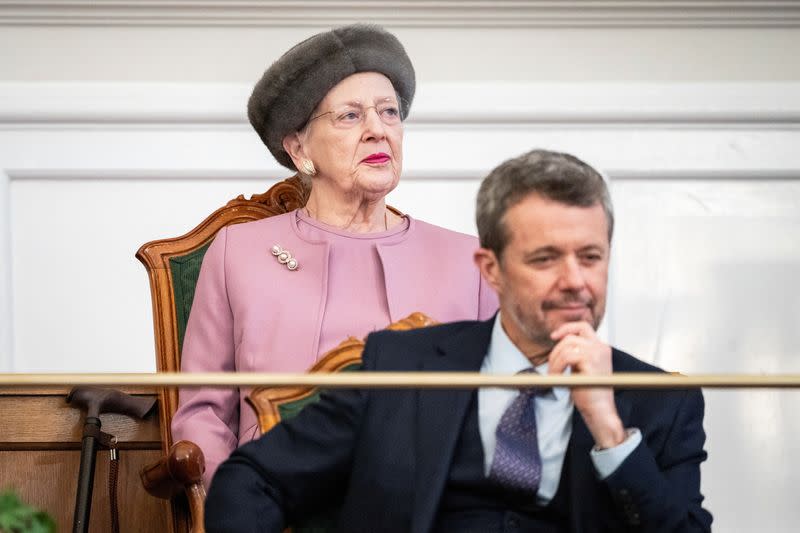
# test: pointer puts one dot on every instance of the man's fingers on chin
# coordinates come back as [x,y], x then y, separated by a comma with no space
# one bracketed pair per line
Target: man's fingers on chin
[565,360]
[558,333]
[580,328]
[555,364]
[583,329]
[574,344]
[566,339]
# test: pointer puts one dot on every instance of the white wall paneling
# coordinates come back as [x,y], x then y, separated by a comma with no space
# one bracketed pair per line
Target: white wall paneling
[195,53]
[80,153]
[710,257]
[705,180]
[698,135]
[704,282]
[81,299]
[6,317]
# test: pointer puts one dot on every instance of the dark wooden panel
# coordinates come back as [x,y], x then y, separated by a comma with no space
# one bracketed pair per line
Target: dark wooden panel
[48,479]
[40,438]
[63,391]
[45,420]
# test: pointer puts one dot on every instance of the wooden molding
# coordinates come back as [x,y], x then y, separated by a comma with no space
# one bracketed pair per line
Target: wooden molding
[406,13]
[727,130]
[37,105]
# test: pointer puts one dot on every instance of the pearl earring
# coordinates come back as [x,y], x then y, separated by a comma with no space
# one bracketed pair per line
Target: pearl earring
[308,167]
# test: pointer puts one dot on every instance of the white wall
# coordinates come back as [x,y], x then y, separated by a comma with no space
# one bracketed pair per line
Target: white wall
[448,40]
[121,123]
[439,54]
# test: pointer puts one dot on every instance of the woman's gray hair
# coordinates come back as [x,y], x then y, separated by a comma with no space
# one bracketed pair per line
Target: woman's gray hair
[556,176]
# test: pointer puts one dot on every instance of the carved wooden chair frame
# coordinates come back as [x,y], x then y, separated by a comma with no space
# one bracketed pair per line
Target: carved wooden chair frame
[181,468]
[282,197]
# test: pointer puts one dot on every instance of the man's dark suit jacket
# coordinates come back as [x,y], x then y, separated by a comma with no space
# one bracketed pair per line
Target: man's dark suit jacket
[384,455]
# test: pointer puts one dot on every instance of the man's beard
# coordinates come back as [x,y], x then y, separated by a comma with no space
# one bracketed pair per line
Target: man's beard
[537,331]
[533,330]
[572,298]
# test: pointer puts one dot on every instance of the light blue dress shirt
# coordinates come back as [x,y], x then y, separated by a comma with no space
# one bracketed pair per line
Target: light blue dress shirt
[553,418]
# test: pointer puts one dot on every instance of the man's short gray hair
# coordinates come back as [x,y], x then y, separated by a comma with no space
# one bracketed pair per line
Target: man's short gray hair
[555,176]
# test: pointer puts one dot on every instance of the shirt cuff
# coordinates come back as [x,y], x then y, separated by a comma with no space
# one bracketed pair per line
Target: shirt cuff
[608,460]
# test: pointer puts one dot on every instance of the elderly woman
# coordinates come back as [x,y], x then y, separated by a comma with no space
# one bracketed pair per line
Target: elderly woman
[275,294]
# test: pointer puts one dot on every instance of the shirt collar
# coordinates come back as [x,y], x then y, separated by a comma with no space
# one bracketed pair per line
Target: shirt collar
[503,357]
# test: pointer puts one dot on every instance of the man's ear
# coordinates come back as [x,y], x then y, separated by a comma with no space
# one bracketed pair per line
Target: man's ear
[489,266]
[294,147]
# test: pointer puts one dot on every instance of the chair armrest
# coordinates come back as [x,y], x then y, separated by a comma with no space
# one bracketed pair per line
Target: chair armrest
[181,470]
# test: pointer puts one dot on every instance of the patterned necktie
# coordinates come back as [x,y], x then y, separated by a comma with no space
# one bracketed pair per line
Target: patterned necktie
[517,464]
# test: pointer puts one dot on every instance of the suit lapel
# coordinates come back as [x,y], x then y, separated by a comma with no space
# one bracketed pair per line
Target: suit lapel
[440,416]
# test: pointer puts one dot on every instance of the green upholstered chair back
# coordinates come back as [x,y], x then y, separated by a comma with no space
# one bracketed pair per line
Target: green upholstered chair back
[185,270]
[173,266]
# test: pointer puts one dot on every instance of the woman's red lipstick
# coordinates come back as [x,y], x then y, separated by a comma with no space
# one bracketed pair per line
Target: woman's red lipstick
[376,158]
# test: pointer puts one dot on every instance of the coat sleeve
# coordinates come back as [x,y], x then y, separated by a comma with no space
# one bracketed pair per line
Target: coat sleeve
[661,493]
[293,470]
[209,417]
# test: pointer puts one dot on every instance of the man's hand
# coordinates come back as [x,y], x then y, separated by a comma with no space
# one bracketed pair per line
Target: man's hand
[577,346]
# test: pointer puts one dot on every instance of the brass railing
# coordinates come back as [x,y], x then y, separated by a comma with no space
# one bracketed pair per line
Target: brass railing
[394,380]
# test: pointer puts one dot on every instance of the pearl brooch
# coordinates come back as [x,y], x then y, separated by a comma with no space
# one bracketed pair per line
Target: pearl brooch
[284,257]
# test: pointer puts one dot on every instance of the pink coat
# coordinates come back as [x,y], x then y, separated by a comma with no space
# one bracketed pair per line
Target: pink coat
[251,314]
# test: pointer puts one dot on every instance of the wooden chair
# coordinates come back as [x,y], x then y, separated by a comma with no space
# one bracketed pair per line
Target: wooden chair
[173,266]
[182,467]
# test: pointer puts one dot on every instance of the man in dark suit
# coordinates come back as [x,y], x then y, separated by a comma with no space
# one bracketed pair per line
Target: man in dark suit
[493,460]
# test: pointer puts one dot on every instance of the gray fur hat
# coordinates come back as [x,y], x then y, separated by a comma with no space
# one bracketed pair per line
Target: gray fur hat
[290,90]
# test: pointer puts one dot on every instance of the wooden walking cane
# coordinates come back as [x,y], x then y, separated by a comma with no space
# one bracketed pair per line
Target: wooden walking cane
[96,401]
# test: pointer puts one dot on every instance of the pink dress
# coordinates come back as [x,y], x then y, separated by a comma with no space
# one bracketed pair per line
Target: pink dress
[252,314]
[355,305]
